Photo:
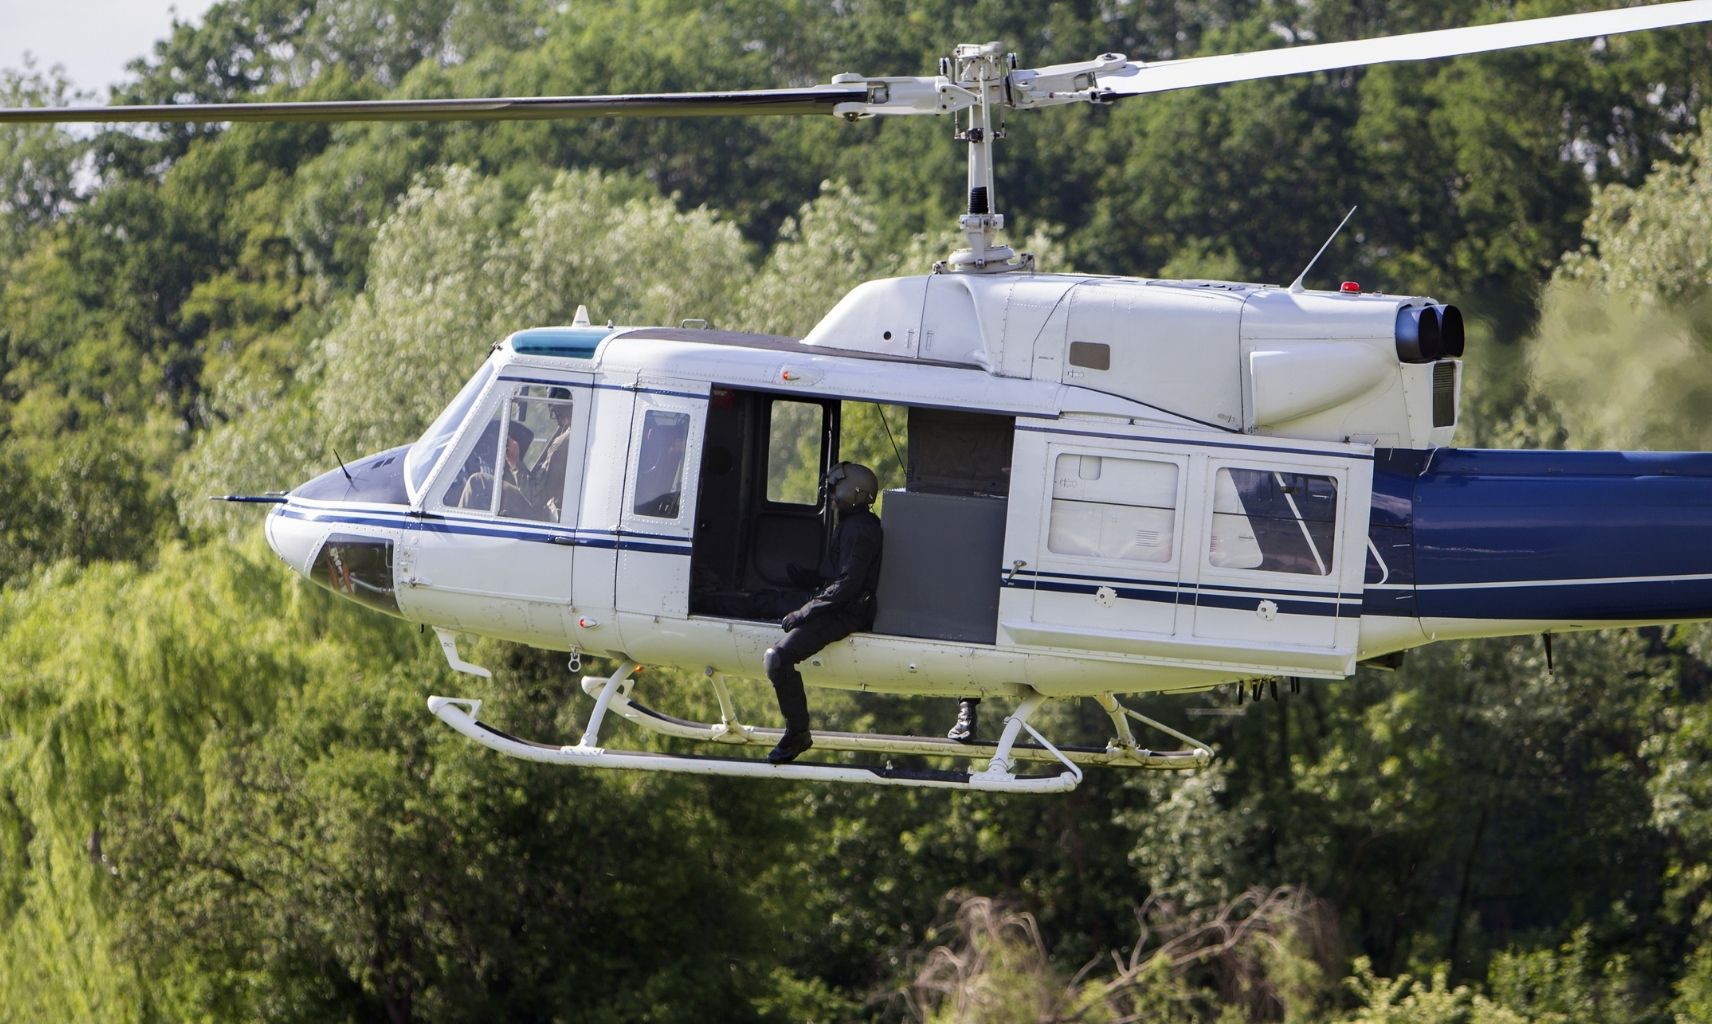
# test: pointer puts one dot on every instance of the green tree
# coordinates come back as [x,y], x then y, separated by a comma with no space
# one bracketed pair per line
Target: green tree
[38,163]
[1628,317]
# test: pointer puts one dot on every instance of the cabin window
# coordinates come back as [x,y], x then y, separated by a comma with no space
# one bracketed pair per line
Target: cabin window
[1273,521]
[660,464]
[795,433]
[957,452]
[1113,508]
[523,448]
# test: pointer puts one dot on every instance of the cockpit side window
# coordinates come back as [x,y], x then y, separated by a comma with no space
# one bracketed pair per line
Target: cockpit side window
[543,415]
[516,468]
[472,487]
[420,460]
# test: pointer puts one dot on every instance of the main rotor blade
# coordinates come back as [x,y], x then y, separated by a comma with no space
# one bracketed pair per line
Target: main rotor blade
[818,99]
[1135,79]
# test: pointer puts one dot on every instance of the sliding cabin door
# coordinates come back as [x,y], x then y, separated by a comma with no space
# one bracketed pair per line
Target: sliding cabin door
[1227,552]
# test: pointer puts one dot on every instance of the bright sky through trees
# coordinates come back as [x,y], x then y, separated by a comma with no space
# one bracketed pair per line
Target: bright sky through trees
[94,39]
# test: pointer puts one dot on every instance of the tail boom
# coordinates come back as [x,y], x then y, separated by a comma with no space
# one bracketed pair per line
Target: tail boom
[1498,543]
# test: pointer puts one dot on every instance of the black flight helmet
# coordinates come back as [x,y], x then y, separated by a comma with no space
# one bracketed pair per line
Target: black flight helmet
[851,485]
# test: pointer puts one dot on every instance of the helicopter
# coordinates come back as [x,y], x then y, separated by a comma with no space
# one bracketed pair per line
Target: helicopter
[1114,485]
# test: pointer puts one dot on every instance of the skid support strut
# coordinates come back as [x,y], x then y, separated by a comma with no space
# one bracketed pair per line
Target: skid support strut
[615,684]
[1001,766]
[1199,755]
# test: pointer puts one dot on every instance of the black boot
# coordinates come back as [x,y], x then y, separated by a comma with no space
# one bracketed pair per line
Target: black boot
[964,730]
[792,743]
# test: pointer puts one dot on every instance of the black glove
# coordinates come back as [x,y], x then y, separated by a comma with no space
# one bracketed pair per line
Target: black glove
[801,577]
[792,621]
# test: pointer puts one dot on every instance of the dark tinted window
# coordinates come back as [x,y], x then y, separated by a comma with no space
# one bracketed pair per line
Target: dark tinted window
[660,464]
[1273,521]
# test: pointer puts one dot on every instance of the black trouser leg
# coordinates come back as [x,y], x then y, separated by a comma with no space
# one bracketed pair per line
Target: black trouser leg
[783,658]
[788,687]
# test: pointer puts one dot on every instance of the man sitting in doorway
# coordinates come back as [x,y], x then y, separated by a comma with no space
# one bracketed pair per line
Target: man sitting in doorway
[841,606]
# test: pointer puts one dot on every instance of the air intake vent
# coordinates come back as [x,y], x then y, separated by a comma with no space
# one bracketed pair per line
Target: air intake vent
[1444,394]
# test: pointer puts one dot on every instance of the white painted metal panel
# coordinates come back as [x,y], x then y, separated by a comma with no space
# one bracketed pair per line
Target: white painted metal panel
[950,327]
[877,316]
[1173,348]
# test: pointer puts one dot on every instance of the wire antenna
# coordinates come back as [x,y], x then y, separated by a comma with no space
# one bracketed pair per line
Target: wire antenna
[1296,285]
[893,438]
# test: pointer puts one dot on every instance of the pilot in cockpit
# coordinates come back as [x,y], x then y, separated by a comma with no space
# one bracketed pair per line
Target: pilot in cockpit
[513,500]
[547,476]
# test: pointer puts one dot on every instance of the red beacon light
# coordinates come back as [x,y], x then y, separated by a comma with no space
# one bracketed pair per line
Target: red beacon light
[1350,288]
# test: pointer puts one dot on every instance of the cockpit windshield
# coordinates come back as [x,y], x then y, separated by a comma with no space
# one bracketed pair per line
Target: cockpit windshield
[425,453]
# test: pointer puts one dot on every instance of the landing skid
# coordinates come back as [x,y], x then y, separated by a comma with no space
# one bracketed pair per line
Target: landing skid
[999,775]
[1122,751]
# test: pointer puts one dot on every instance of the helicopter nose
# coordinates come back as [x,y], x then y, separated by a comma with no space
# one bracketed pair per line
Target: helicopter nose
[293,540]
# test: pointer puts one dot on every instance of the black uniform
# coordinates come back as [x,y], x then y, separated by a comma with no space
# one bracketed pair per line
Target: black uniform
[833,612]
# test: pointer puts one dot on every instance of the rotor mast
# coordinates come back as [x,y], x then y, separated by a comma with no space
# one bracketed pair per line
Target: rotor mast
[981,69]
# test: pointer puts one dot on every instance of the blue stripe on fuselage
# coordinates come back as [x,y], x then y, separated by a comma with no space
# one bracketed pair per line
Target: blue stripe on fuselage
[608,539]
[1290,602]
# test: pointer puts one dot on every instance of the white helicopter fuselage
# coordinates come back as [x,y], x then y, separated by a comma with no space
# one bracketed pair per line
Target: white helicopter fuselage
[1113,485]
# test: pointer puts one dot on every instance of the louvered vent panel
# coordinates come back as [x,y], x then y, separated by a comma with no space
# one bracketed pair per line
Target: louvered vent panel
[1444,394]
